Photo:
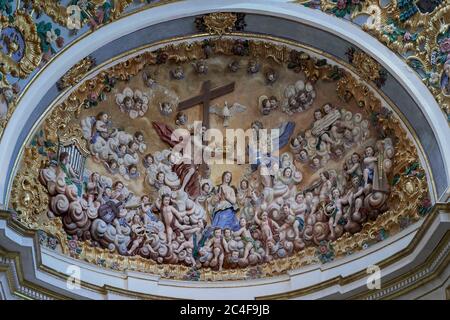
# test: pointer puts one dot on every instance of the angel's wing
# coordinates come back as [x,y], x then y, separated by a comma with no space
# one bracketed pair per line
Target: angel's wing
[237,108]
[119,98]
[215,109]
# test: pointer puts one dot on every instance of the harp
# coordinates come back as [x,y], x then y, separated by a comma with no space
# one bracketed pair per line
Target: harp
[77,155]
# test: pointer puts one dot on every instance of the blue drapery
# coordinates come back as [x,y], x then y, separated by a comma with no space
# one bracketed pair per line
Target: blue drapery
[226,219]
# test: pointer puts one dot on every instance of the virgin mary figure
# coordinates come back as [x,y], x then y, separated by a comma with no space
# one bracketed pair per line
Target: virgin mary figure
[224,215]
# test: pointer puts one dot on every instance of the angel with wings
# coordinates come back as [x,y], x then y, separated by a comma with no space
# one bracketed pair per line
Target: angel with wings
[226,112]
[133,103]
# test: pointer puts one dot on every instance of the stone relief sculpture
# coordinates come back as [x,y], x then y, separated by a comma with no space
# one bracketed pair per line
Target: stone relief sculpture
[140,197]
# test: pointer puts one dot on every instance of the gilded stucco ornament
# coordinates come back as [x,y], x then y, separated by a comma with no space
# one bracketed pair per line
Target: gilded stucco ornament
[95,12]
[408,183]
[75,74]
[20,55]
[367,67]
[220,23]
[417,30]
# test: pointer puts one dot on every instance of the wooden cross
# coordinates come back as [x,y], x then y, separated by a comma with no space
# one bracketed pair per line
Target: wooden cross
[205,98]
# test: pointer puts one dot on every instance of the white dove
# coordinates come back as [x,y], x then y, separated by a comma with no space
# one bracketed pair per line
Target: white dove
[227,112]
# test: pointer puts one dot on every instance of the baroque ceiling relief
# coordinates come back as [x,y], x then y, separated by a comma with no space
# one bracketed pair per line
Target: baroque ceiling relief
[103,181]
[32,33]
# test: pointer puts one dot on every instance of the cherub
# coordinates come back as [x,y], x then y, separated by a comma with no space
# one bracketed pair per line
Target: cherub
[180,119]
[149,81]
[289,222]
[112,166]
[148,160]
[184,243]
[121,219]
[297,222]
[244,193]
[121,151]
[101,127]
[271,76]
[284,183]
[205,197]
[200,66]
[160,180]
[234,66]
[303,156]
[138,138]
[336,209]
[246,237]
[165,108]
[133,172]
[219,247]
[299,206]
[267,225]
[355,196]
[267,104]
[146,209]
[325,185]
[266,107]
[137,233]
[253,67]
[177,73]
[106,195]
[315,163]
[118,193]
[370,163]
[348,139]
[233,259]
[171,217]
[135,104]
[337,153]
[354,167]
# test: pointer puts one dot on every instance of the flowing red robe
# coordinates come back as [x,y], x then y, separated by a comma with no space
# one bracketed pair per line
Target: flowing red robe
[193,185]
